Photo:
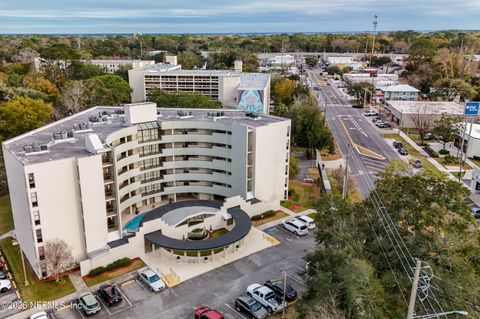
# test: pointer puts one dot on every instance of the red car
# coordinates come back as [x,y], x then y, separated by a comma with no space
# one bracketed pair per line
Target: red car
[205,312]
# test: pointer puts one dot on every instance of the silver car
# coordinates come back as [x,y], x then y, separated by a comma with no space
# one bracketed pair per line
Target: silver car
[88,303]
[151,280]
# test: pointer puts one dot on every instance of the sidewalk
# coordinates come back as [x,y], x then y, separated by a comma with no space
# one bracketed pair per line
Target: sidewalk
[77,281]
[290,213]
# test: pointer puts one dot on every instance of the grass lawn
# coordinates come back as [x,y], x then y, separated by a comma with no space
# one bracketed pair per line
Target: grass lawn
[441,160]
[134,265]
[304,196]
[326,156]
[6,218]
[352,193]
[312,215]
[313,173]
[36,290]
[277,215]
[456,174]
[426,164]
[475,161]
[218,233]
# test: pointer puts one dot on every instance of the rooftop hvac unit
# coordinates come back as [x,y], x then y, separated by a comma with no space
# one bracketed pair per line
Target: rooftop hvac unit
[94,119]
[28,149]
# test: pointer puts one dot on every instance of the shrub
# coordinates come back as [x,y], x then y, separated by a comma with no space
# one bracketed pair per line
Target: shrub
[449,159]
[444,152]
[268,213]
[97,271]
[112,266]
[476,157]
[430,151]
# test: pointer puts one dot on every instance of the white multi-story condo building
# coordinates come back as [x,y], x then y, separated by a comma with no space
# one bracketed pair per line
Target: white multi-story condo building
[85,178]
[247,91]
[110,66]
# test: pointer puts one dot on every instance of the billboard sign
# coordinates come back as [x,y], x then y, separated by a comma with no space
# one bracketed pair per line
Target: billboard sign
[471,108]
[251,101]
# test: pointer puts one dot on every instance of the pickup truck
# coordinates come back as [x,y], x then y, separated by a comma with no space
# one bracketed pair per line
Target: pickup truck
[266,297]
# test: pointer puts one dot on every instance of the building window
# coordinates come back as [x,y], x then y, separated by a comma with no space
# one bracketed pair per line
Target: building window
[43,269]
[39,236]
[34,199]
[41,253]
[31,180]
[36,217]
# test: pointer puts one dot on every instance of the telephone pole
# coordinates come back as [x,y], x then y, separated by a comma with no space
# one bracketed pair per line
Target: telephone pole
[375,23]
[413,293]
[345,175]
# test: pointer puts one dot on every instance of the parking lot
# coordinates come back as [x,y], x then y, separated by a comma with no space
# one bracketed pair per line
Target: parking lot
[216,289]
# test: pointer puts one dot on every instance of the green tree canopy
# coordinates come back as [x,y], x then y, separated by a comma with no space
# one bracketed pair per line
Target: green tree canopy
[23,114]
[59,51]
[358,90]
[182,100]
[107,90]
[190,60]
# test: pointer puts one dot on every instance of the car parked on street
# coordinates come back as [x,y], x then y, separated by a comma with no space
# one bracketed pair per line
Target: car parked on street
[357,106]
[3,274]
[206,312]
[476,212]
[5,285]
[110,294]
[295,226]
[382,124]
[88,303]
[277,287]
[151,280]
[371,113]
[403,151]
[309,222]
[416,163]
[397,144]
[251,307]
[266,297]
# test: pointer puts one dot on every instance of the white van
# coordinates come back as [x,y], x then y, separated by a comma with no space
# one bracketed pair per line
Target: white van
[307,221]
[295,226]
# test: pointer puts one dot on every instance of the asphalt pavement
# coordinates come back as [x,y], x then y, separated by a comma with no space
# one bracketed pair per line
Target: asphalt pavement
[348,126]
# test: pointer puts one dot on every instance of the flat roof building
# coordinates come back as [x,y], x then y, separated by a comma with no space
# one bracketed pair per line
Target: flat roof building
[352,78]
[404,113]
[85,178]
[247,91]
[398,92]
[110,66]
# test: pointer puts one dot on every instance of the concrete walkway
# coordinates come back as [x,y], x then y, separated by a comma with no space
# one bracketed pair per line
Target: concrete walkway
[7,234]
[78,282]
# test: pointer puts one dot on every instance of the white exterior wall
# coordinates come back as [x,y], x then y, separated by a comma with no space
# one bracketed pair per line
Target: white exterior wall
[271,161]
[93,202]
[137,83]
[21,208]
[227,89]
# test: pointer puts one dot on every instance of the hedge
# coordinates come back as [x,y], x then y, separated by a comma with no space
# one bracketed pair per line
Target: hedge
[476,157]
[268,213]
[443,152]
[112,266]
[430,151]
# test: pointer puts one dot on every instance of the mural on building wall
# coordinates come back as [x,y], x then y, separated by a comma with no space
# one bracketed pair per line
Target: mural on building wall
[251,101]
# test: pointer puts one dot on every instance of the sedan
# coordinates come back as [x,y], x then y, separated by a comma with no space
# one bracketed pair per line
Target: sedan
[397,144]
[417,163]
[110,294]
[403,151]
[251,307]
[382,124]
[5,285]
[370,113]
[205,312]
[151,280]
[277,287]
[357,106]
[476,212]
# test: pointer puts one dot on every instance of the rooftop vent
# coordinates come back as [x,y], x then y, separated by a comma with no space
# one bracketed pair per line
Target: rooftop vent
[252,115]
[218,114]
[98,119]
[63,135]
[35,148]
[182,113]
[81,126]
[119,112]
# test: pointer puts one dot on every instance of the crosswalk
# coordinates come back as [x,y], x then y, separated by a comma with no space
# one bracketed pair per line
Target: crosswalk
[373,166]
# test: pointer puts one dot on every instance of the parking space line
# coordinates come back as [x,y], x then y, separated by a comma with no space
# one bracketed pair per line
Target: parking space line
[144,288]
[125,297]
[235,311]
[297,280]
[126,283]
[80,312]
[104,306]
[289,232]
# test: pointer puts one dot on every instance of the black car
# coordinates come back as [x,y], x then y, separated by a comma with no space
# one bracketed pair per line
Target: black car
[397,144]
[110,294]
[403,151]
[357,106]
[277,287]
[251,307]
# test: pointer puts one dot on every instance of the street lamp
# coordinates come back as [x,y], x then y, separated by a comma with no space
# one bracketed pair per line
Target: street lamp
[437,315]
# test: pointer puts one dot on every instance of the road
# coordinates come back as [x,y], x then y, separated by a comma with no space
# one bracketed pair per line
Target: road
[353,132]
[217,288]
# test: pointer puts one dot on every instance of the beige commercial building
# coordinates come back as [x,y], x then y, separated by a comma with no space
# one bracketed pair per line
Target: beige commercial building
[247,91]
[85,178]
[110,66]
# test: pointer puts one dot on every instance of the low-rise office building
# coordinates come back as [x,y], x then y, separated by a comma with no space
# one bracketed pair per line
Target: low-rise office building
[247,91]
[353,78]
[399,92]
[405,113]
[103,179]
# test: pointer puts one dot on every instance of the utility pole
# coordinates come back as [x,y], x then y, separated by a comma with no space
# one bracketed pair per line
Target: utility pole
[284,293]
[345,176]
[413,293]
[23,265]
[375,23]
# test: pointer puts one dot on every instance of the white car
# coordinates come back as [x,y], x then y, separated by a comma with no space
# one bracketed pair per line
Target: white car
[5,285]
[266,297]
[309,222]
[370,113]
[151,279]
[39,315]
[295,226]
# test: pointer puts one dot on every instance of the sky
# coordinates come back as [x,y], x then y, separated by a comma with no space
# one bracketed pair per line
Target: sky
[226,16]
